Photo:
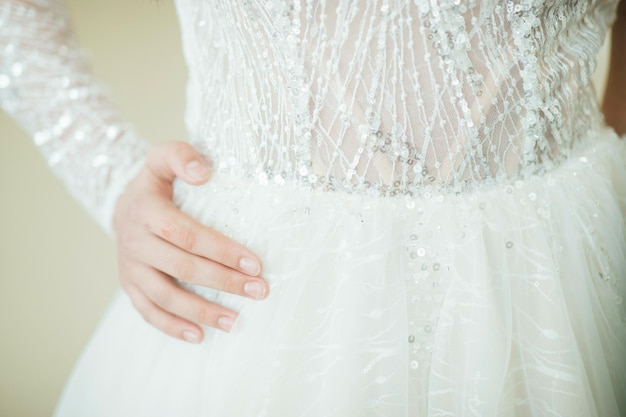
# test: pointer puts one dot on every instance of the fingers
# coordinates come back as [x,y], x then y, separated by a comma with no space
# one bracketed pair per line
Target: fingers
[175,227]
[174,310]
[157,244]
[162,320]
[197,270]
[178,159]
[166,162]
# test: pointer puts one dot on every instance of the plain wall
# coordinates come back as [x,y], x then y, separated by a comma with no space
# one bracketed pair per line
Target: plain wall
[57,269]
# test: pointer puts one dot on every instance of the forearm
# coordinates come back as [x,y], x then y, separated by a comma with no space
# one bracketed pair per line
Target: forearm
[47,86]
[614,105]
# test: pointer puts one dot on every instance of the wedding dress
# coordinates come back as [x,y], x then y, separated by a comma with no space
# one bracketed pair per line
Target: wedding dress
[430,184]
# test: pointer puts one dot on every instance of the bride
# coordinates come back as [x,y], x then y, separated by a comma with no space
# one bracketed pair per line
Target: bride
[386,208]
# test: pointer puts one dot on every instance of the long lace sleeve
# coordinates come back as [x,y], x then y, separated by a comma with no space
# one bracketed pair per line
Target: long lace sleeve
[47,86]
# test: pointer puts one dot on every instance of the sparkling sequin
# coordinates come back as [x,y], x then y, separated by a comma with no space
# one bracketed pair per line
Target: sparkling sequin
[4,81]
[45,84]
[395,138]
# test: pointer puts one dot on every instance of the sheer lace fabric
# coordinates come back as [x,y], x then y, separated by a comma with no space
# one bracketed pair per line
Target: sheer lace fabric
[46,84]
[392,96]
[386,96]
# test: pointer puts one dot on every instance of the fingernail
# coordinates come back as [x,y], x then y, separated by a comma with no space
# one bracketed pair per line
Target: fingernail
[196,170]
[225,323]
[191,336]
[254,289]
[249,266]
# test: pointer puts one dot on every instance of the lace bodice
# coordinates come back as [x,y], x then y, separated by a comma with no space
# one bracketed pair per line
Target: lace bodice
[392,95]
[382,96]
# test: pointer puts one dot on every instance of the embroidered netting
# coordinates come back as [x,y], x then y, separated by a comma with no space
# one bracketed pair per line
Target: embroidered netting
[46,84]
[381,96]
[391,96]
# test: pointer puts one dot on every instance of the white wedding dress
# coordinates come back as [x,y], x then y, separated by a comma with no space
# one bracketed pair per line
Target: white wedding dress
[438,204]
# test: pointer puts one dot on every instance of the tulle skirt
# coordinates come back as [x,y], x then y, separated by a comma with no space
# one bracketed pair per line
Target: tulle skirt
[507,301]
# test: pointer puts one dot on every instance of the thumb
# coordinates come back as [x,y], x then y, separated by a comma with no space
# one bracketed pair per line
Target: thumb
[178,159]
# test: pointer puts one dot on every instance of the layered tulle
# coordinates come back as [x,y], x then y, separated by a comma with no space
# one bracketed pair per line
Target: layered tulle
[507,301]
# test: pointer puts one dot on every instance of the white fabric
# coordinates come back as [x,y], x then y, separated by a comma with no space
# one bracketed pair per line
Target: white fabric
[513,299]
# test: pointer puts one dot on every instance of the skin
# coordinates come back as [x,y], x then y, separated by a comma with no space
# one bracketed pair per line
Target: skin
[614,105]
[157,242]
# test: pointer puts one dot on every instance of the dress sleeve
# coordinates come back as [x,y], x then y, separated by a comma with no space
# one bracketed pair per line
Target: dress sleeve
[47,87]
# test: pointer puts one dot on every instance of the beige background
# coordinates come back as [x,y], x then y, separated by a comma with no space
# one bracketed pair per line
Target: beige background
[57,269]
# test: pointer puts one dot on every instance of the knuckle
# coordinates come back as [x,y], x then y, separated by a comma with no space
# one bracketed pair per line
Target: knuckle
[186,238]
[182,150]
[168,226]
[203,315]
[162,298]
[180,235]
[226,254]
[170,327]
[230,282]
[184,268]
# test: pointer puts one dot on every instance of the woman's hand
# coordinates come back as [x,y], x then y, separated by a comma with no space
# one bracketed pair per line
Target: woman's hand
[158,243]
